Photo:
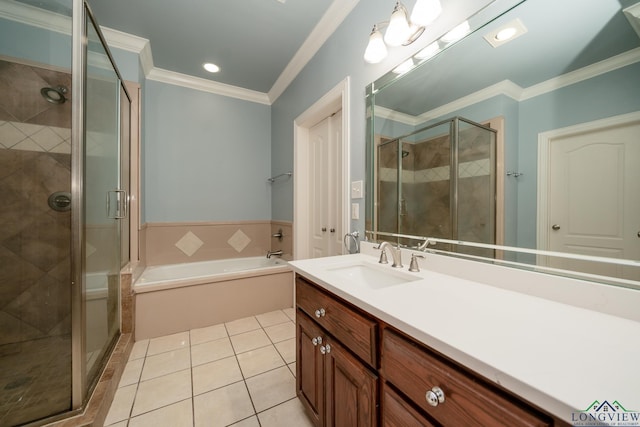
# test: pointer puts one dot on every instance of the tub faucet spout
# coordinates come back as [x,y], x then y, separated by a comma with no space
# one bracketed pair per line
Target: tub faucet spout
[276,253]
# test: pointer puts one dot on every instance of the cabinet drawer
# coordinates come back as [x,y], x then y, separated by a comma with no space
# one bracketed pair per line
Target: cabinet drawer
[398,413]
[467,402]
[355,331]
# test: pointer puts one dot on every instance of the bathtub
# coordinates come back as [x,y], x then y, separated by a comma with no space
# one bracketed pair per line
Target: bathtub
[179,297]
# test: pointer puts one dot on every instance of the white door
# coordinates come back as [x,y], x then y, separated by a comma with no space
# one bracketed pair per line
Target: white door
[325,208]
[594,197]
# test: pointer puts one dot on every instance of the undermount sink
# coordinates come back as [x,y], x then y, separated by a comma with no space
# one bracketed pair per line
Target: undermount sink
[373,276]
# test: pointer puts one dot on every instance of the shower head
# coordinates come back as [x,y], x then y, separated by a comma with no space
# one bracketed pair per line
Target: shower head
[54,95]
[405,153]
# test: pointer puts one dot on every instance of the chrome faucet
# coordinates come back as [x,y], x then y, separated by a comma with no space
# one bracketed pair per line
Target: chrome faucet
[395,254]
[276,253]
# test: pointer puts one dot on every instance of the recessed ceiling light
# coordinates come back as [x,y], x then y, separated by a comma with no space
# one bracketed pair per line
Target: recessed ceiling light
[210,67]
[505,33]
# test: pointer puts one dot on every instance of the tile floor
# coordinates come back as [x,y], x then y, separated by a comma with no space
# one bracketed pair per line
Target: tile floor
[240,373]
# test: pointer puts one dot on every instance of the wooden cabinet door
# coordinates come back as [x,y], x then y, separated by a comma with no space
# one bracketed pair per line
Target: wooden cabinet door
[350,389]
[309,368]
[396,412]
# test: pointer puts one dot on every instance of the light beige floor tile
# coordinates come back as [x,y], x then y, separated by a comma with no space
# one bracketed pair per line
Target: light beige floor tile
[272,318]
[139,350]
[131,373]
[290,413]
[211,333]
[121,404]
[292,368]
[242,325]
[249,422]
[281,332]
[271,388]
[120,424]
[291,313]
[176,415]
[223,406]
[216,374]
[166,363]
[168,343]
[249,341]
[287,350]
[260,360]
[211,351]
[162,391]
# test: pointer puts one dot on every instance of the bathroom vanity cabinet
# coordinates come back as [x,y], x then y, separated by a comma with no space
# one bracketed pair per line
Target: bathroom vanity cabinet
[355,370]
[336,355]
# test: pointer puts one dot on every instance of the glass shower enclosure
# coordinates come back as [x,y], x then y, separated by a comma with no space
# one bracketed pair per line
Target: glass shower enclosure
[61,175]
[437,181]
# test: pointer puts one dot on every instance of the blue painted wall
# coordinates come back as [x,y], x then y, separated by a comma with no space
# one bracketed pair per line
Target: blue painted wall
[206,156]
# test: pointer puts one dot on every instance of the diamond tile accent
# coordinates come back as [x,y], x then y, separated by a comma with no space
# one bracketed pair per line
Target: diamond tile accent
[10,135]
[46,138]
[239,241]
[189,243]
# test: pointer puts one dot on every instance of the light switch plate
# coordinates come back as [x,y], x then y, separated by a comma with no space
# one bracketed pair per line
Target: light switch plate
[355,211]
[357,190]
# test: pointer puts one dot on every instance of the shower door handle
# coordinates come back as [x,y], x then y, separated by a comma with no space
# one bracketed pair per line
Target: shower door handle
[122,201]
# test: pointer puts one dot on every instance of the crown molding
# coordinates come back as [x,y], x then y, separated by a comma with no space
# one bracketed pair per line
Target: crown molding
[330,21]
[197,83]
[36,17]
[590,71]
[333,17]
[130,43]
[396,116]
[512,90]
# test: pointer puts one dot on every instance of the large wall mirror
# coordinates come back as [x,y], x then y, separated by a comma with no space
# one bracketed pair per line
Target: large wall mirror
[533,142]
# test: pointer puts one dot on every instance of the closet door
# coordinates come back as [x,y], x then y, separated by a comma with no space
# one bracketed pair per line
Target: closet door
[325,173]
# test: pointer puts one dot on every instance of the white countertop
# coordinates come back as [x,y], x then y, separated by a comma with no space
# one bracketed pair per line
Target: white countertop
[557,356]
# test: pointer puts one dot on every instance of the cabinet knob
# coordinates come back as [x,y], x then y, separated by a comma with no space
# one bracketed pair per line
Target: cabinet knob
[333,230]
[317,340]
[320,313]
[324,229]
[325,349]
[435,396]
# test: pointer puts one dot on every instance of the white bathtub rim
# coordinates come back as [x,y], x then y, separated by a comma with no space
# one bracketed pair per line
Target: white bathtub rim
[139,288]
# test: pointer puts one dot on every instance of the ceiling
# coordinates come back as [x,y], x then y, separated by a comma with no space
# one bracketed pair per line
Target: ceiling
[252,41]
[553,46]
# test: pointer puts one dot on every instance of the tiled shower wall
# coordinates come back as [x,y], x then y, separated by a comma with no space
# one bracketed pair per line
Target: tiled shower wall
[425,203]
[35,297]
[35,161]
[174,243]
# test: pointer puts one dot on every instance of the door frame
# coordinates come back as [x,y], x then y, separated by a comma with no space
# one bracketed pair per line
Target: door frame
[544,159]
[334,100]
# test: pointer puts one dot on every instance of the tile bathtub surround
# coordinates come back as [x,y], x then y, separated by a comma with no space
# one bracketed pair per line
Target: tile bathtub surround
[173,243]
[239,373]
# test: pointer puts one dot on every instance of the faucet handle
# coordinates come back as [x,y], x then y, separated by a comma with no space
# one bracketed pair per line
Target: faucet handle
[414,262]
[383,258]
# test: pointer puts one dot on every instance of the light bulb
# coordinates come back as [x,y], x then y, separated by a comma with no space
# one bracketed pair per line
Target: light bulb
[425,12]
[506,34]
[210,67]
[457,33]
[376,50]
[398,31]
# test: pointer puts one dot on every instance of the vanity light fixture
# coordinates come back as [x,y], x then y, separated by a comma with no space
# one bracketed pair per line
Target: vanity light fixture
[505,33]
[400,30]
[211,67]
